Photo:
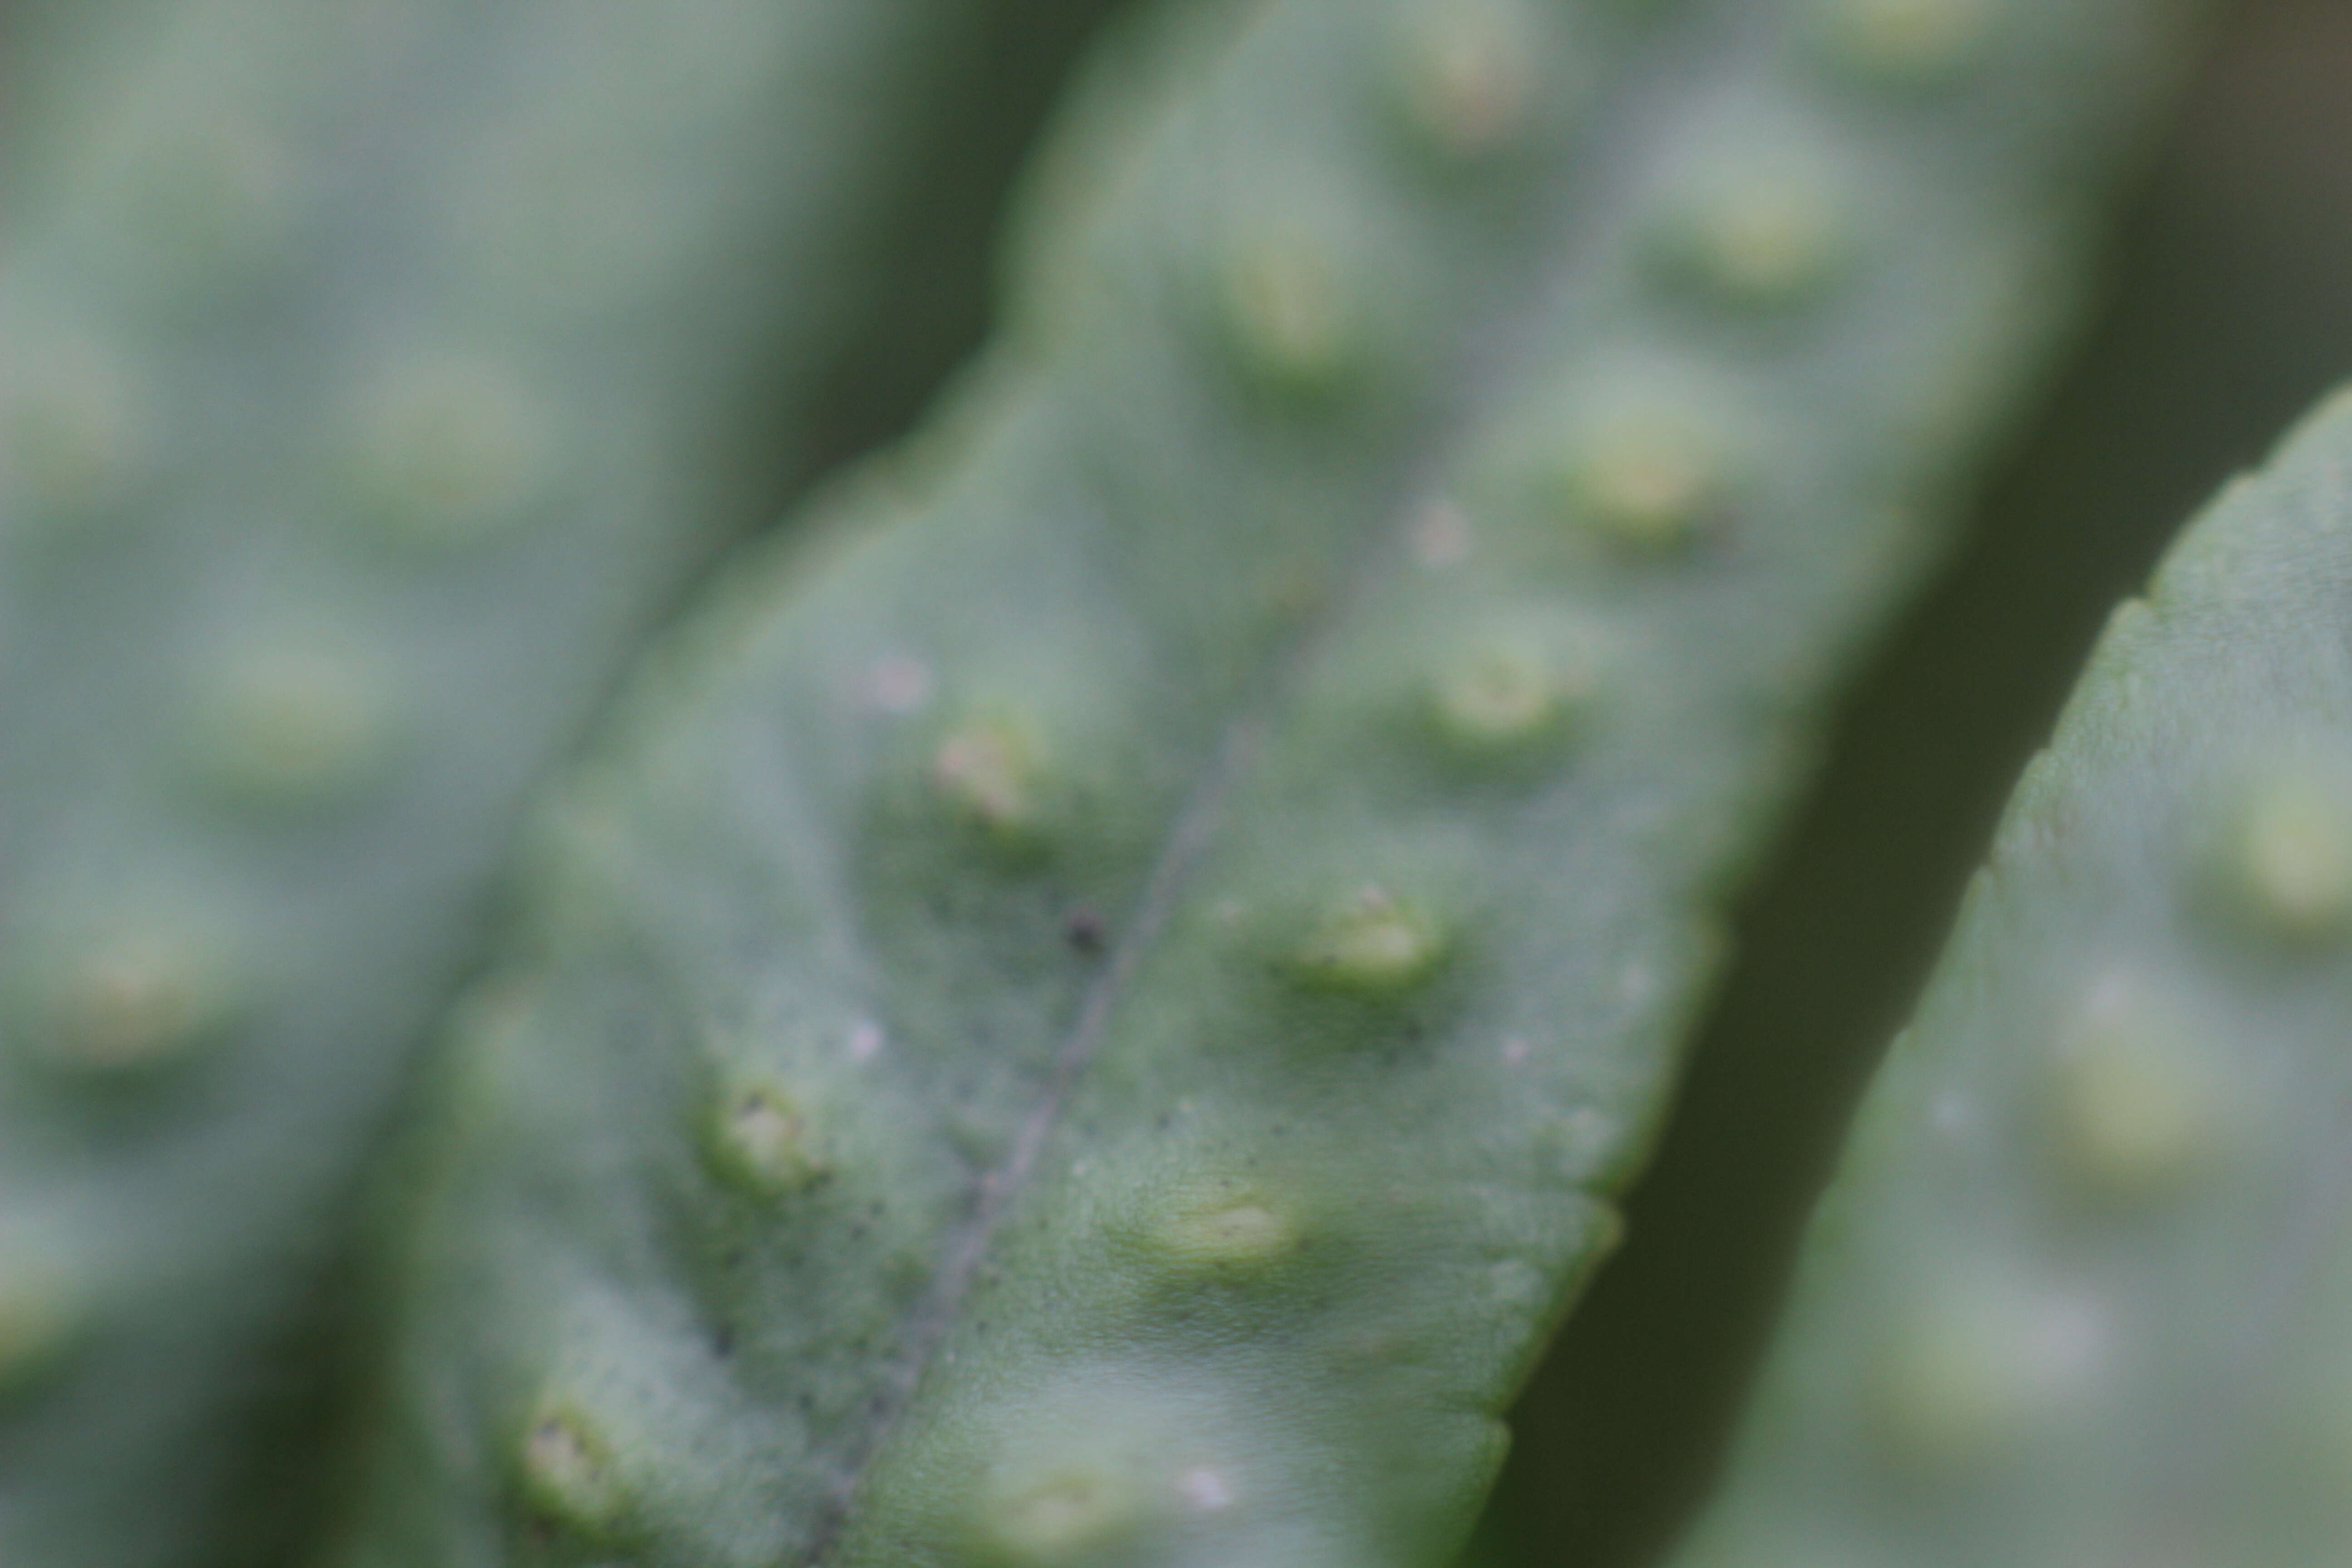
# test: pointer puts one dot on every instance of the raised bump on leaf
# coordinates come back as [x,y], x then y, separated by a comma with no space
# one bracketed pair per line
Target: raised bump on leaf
[1291,319]
[40,1316]
[1498,696]
[291,725]
[1222,1227]
[1646,478]
[452,447]
[1905,43]
[1973,1371]
[567,1469]
[1505,693]
[988,771]
[1763,238]
[136,998]
[2135,1111]
[76,431]
[1467,74]
[1372,944]
[2290,853]
[1063,1513]
[759,1137]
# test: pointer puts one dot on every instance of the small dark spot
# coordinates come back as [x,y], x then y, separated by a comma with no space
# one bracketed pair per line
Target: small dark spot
[1166,1121]
[722,1342]
[858,1231]
[734,1258]
[1082,928]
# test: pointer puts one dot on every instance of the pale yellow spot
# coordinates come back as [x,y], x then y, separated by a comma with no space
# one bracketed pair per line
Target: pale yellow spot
[293,724]
[1469,74]
[1067,1513]
[1507,693]
[1373,945]
[1768,241]
[1225,1225]
[136,1001]
[1977,1370]
[567,1469]
[1647,481]
[451,447]
[1949,1396]
[988,770]
[761,1138]
[1290,319]
[75,437]
[37,1323]
[2136,1112]
[1907,41]
[2293,855]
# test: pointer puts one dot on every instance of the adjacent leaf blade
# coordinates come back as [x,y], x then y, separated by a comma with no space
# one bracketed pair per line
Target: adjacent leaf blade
[2077,1289]
[365,369]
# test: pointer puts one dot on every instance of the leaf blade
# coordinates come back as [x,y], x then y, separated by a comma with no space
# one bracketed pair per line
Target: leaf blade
[1285,432]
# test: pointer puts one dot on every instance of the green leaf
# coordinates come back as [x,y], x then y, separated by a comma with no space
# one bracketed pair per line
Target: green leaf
[2077,1291]
[365,369]
[1100,1020]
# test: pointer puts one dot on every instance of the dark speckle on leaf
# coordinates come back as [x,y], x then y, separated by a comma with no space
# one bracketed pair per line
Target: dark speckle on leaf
[1082,928]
